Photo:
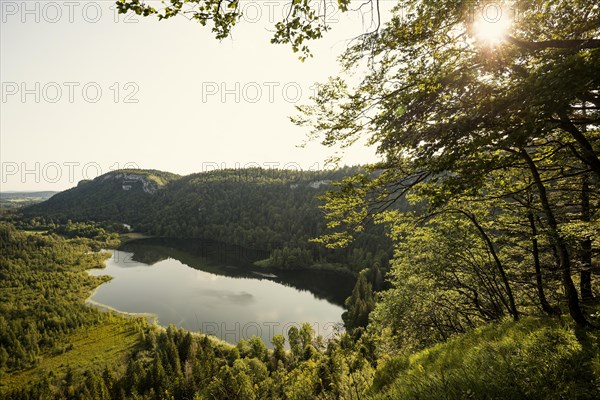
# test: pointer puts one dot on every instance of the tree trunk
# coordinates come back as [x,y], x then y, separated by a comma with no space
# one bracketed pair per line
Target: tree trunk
[585,277]
[559,242]
[588,155]
[511,300]
[536,263]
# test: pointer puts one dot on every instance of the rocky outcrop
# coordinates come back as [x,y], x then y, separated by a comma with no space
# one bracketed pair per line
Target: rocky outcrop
[128,180]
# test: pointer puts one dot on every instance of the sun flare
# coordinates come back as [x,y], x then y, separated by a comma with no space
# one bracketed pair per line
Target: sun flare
[492,28]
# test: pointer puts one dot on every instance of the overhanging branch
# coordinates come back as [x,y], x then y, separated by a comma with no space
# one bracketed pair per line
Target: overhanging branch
[555,44]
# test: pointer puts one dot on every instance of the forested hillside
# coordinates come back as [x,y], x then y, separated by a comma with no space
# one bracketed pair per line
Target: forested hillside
[123,196]
[272,210]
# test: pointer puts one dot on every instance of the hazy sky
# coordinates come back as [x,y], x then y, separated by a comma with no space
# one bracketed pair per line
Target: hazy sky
[85,91]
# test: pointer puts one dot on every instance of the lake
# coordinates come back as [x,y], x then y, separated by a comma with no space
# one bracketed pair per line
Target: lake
[214,288]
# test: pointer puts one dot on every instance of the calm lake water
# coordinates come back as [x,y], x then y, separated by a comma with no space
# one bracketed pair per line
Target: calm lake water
[214,288]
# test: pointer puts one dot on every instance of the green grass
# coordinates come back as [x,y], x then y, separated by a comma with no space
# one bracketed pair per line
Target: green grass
[91,349]
[536,358]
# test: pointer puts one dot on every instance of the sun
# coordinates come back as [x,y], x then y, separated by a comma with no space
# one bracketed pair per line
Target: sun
[491,26]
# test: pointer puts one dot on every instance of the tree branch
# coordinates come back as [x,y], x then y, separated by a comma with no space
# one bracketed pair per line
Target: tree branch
[555,44]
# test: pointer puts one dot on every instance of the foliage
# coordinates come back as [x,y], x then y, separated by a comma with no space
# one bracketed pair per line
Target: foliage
[304,20]
[503,134]
[360,304]
[43,284]
[533,359]
[81,230]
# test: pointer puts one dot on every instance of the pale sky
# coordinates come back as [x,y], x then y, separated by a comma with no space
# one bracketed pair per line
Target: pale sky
[172,97]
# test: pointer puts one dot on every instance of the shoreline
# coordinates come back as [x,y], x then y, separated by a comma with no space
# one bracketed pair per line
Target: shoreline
[151,318]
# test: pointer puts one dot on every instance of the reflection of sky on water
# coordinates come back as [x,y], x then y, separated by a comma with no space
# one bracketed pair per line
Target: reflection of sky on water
[240,298]
[231,308]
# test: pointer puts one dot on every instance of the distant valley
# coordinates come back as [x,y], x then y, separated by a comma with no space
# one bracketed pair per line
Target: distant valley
[13,200]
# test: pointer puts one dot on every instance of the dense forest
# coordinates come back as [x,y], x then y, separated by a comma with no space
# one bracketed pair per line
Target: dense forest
[264,209]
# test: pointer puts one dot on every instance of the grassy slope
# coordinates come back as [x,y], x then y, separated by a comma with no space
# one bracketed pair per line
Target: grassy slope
[536,358]
[108,342]
[92,349]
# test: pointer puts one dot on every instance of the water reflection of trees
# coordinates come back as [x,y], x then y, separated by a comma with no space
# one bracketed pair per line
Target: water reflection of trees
[237,262]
